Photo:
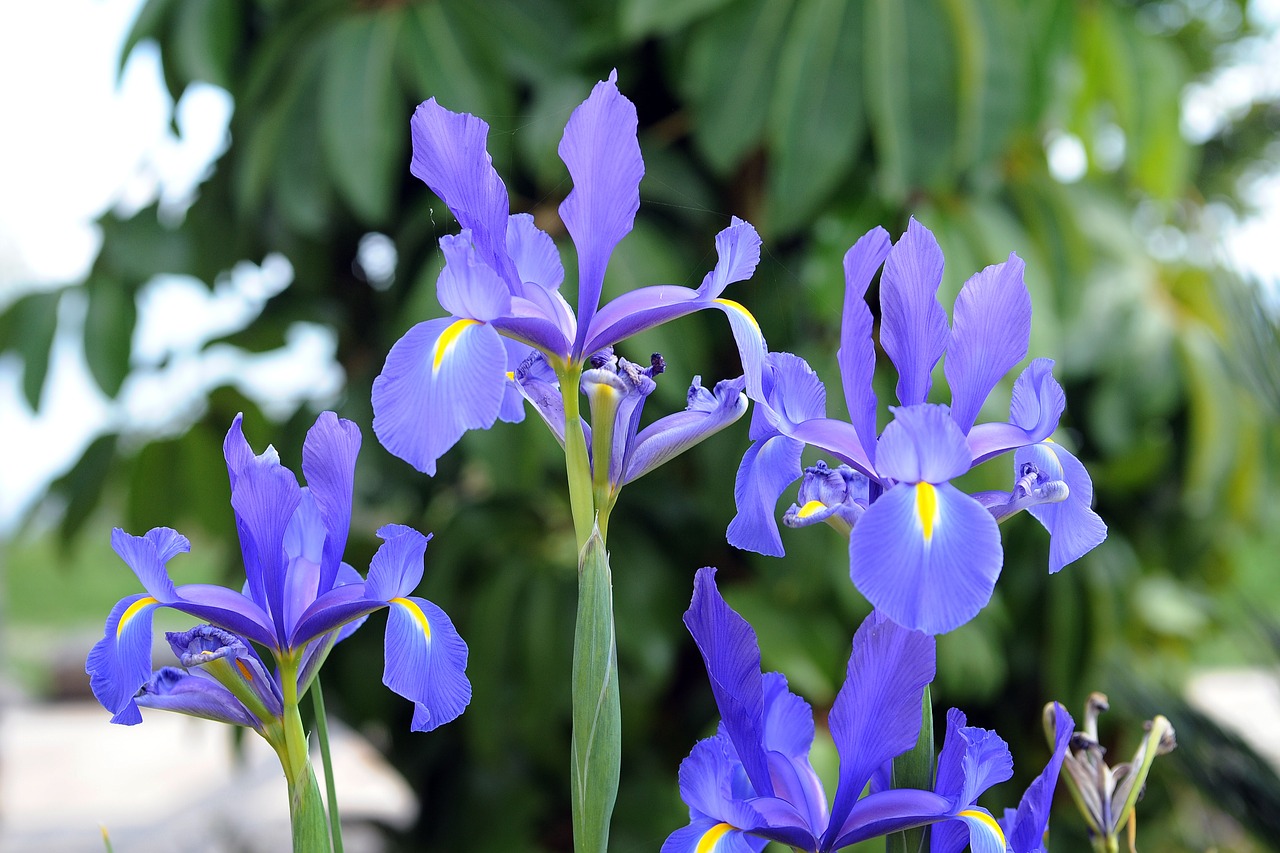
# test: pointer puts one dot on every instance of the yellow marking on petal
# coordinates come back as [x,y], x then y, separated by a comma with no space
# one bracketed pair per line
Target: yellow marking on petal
[986,820]
[927,508]
[244,670]
[447,339]
[810,508]
[132,611]
[1048,441]
[416,612]
[511,376]
[712,837]
[741,309]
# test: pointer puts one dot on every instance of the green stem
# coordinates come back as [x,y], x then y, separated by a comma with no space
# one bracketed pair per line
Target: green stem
[306,808]
[914,769]
[577,463]
[322,732]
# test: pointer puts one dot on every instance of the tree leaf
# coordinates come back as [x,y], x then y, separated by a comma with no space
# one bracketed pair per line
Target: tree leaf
[641,18]
[83,486]
[108,332]
[207,35]
[32,322]
[149,24]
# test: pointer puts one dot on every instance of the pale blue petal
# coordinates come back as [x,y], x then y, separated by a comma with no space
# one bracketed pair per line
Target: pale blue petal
[913,326]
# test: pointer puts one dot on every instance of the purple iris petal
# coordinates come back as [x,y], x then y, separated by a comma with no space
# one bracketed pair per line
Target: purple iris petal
[603,156]
[767,469]
[990,332]
[838,438]
[888,811]
[877,713]
[922,444]
[1026,827]
[397,566]
[913,326]
[928,556]
[304,542]
[538,384]
[329,465]
[318,648]
[707,413]
[426,662]
[147,556]
[825,492]
[714,785]
[534,253]
[229,609]
[441,379]
[512,408]
[794,393]
[120,662]
[469,287]
[172,689]
[450,157]
[857,353]
[707,835]
[1038,403]
[1074,528]
[972,760]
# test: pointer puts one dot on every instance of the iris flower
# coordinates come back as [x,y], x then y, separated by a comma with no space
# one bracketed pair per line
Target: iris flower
[299,599]
[502,275]
[752,782]
[921,550]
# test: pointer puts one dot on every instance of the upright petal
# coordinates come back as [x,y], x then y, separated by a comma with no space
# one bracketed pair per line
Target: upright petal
[426,662]
[120,663]
[913,326]
[768,467]
[990,332]
[1038,403]
[1074,528]
[468,286]
[972,760]
[922,444]
[450,157]
[876,715]
[706,414]
[397,566]
[857,353]
[534,253]
[141,554]
[600,148]
[738,255]
[928,556]
[714,786]
[329,466]
[441,379]
[732,655]
[1029,824]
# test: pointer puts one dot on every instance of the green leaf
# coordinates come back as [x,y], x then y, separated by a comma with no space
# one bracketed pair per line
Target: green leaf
[597,722]
[31,323]
[914,769]
[108,332]
[206,37]
[640,18]
[83,486]
[815,117]
[149,24]
[729,75]
[438,62]
[362,132]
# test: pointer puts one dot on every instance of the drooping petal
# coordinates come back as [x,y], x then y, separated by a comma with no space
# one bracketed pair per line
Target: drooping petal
[974,828]
[450,157]
[752,349]
[711,836]
[794,395]
[877,713]
[928,556]
[426,662]
[1074,528]
[397,566]
[887,811]
[1031,821]
[228,609]
[857,353]
[329,466]
[468,286]
[441,379]
[141,554]
[913,326]
[512,409]
[172,689]
[768,468]
[732,656]
[707,413]
[120,663]
[990,332]
[603,156]
[538,384]
[971,761]
[1038,403]
[714,785]
[922,444]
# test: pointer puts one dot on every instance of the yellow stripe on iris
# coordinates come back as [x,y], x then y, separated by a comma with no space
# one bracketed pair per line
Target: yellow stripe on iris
[741,309]
[987,821]
[927,508]
[132,611]
[448,338]
[712,837]
[418,616]
[810,508]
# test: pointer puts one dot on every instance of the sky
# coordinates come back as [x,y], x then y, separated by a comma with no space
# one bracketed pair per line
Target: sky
[90,143]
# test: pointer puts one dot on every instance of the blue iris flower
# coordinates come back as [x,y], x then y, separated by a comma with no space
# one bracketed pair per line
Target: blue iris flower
[299,599]
[502,276]
[752,782]
[921,550]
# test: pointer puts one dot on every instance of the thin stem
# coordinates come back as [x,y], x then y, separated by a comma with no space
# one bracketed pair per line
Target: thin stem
[322,733]
[577,463]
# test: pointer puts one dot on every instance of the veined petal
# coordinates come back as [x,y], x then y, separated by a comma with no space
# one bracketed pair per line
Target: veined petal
[450,157]
[512,409]
[707,413]
[317,648]
[600,148]
[329,465]
[638,310]
[768,467]
[738,255]
[888,811]
[1031,821]
[974,827]
[972,760]
[838,438]
[1038,402]
[990,332]
[752,348]
[922,444]
[876,715]
[714,785]
[441,379]
[857,353]
[141,554]
[928,556]
[538,385]
[172,689]
[534,253]
[469,287]
[120,663]
[732,656]
[711,836]
[426,662]
[913,326]
[227,609]
[1074,528]
[396,568]
[794,392]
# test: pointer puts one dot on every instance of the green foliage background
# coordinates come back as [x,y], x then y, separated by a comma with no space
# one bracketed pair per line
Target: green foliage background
[815,120]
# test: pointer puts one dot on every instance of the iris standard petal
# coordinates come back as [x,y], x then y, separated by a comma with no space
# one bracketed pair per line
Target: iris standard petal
[795,393]
[603,156]
[228,609]
[714,784]
[329,466]
[971,761]
[1038,403]
[467,286]
[397,567]
[922,444]
[767,469]
[877,713]
[913,326]
[738,255]
[441,379]
[1031,821]
[172,689]
[426,662]
[450,157]
[928,556]
[141,554]
[120,663]
[711,836]
[857,354]
[707,413]
[990,332]
[732,656]
[1074,528]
